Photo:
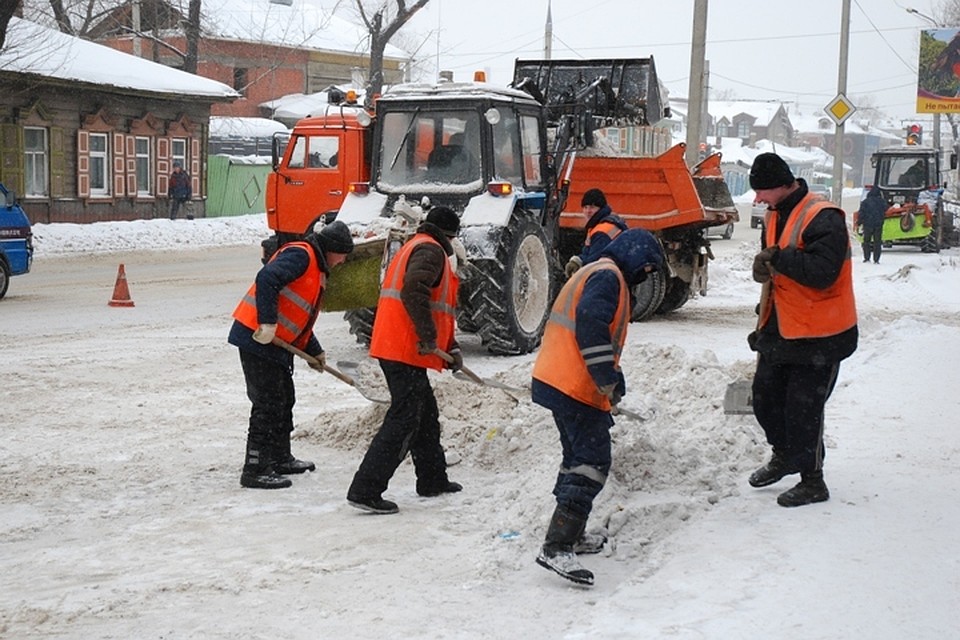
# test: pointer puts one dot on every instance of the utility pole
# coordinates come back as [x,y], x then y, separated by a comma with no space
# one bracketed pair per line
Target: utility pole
[841,90]
[695,93]
[548,34]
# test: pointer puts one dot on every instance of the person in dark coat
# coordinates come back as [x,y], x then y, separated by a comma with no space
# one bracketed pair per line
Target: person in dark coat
[602,227]
[284,303]
[179,191]
[807,325]
[870,219]
[577,377]
[413,332]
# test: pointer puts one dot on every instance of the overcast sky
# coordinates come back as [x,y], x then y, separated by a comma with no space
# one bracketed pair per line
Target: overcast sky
[756,49]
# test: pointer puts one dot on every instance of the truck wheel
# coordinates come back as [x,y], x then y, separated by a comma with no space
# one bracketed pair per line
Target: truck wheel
[511,299]
[677,294]
[361,323]
[4,277]
[648,295]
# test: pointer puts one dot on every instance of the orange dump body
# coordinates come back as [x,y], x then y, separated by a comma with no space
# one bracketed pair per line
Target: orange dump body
[652,193]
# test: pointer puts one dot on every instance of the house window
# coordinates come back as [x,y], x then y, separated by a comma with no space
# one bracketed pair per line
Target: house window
[723,129]
[99,165]
[178,151]
[743,129]
[35,146]
[240,80]
[143,164]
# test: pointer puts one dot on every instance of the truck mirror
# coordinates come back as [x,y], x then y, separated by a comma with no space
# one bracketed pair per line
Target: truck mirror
[275,152]
[953,160]
[10,199]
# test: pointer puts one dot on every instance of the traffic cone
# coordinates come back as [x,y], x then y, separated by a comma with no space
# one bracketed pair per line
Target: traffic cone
[121,294]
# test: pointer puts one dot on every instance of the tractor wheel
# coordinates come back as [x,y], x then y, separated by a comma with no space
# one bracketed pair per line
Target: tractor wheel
[361,323]
[648,295]
[509,300]
[677,294]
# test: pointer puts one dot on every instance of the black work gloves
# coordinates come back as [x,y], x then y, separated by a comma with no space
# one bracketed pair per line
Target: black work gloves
[763,264]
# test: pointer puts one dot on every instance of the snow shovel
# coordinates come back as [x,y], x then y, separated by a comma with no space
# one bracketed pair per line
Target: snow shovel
[738,400]
[335,373]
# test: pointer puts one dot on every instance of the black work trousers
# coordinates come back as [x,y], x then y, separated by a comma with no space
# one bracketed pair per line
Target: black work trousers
[412,424]
[872,243]
[788,402]
[271,393]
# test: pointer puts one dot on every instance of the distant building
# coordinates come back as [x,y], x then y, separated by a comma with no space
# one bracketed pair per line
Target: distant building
[264,49]
[88,133]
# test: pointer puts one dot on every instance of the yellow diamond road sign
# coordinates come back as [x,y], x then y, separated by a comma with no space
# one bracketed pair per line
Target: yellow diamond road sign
[840,109]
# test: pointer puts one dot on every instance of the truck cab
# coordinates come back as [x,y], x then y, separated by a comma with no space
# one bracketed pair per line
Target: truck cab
[16,240]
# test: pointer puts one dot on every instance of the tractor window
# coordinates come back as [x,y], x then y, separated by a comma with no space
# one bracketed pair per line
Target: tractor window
[315,152]
[429,148]
[507,161]
[530,136]
[911,172]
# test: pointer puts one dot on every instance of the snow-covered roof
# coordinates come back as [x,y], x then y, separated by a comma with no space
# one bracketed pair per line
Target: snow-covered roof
[763,111]
[231,127]
[303,24]
[34,49]
[295,106]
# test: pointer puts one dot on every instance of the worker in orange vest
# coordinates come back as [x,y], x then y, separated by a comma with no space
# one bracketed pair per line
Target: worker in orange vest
[807,325]
[603,225]
[577,376]
[283,302]
[415,319]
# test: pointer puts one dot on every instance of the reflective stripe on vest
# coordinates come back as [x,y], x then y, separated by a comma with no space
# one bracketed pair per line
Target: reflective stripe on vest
[805,312]
[297,305]
[561,363]
[394,334]
[605,227]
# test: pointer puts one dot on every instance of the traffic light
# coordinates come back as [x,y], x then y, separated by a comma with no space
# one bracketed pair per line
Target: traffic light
[915,134]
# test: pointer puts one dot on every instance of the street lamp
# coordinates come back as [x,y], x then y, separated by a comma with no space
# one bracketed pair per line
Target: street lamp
[924,16]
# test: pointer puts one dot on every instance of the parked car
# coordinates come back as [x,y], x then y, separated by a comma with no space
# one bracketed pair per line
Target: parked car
[723,231]
[16,239]
[822,190]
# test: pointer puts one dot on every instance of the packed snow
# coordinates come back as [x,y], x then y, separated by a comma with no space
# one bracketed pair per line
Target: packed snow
[121,513]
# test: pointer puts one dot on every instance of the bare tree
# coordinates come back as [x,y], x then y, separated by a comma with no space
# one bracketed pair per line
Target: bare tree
[8,9]
[380,35]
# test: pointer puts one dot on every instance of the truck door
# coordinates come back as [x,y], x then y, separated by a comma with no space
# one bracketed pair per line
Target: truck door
[313,184]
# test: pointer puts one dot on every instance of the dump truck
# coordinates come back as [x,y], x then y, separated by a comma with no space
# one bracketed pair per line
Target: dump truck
[512,161]
[912,183]
[16,239]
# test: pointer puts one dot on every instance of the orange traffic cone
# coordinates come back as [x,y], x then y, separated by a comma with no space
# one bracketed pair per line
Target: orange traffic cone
[121,294]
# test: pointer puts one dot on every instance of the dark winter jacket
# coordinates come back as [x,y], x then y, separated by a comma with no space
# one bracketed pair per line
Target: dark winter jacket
[424,271]
[599,241]
[271,279]
[872,209]
[826,248]
[633,251]
[180,186]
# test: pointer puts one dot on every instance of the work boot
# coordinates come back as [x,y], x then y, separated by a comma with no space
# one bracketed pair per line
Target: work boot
[772,472]
[258,473]
[286,464]
[589,543]
[557,553]
[373,505]
[810,489]
[433,492]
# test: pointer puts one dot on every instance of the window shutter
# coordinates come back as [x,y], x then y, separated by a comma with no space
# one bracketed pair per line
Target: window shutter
[163,166]
[11,157]
[195,167]
[131,166]
[58,164]
[83,164]
[119,165]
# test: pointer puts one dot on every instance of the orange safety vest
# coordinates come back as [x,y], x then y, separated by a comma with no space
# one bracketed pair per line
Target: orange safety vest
[561,363]
[805,312]
[394,334]
[605,227]
[297,306]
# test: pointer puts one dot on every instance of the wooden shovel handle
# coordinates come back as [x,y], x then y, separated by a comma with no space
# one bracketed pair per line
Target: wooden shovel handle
[309,358]
[446,357]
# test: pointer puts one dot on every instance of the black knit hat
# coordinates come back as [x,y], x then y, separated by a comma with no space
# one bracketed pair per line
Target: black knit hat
[446,219]
[335,237]
[594,198]
[769,171]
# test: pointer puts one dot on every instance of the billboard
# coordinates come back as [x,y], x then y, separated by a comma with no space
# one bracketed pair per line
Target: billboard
[938,71]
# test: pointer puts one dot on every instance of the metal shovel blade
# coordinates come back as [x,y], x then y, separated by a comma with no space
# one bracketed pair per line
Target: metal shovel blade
[738,399]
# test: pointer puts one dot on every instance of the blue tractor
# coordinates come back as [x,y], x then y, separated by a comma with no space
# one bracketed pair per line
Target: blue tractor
[16,240]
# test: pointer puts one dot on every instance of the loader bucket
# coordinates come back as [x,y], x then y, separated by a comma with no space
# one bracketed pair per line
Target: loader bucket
[711,187]
[631,90]
[355,284]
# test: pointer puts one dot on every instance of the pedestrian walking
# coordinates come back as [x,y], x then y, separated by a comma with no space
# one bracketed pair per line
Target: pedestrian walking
[180,191]
[870,219]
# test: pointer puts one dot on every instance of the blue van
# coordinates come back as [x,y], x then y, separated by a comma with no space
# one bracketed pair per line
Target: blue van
[16,240]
